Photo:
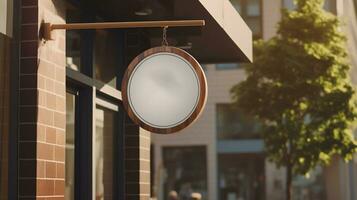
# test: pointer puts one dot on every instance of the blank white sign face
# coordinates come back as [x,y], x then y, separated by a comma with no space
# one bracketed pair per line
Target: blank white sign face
[163,90]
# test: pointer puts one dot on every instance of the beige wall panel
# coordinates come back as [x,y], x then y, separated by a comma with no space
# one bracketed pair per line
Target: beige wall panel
[271,16]
[6,12]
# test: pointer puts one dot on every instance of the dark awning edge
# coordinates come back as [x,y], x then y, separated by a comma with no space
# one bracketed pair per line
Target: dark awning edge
[233,25]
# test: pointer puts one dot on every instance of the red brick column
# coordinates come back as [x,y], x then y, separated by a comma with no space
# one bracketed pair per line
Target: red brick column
[42,103]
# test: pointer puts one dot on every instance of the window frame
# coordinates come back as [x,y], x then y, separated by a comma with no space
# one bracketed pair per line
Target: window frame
[74,91]
[245,135]
[14,97]
[7,138]
[116,108]
[92,92]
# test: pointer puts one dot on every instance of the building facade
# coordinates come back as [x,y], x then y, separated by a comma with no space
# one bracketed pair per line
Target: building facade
[222,156]
[64,133]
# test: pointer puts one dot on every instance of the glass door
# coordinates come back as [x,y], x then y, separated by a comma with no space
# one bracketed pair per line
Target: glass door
[104,148]
[70,145]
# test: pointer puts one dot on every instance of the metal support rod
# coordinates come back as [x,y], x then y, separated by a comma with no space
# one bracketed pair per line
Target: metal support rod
[48,27]
[141,24]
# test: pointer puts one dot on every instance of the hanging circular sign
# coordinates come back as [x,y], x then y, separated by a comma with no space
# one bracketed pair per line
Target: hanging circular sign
[164,89]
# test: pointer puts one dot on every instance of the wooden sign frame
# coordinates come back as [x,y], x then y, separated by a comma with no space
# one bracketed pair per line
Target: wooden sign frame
[202,88]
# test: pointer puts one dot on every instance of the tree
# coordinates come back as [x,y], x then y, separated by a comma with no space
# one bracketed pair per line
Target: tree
[298,87]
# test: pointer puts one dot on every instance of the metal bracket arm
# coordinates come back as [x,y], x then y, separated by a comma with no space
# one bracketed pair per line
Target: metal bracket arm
[48,27]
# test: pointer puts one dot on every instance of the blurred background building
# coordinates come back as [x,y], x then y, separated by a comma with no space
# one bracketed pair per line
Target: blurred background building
[222,156]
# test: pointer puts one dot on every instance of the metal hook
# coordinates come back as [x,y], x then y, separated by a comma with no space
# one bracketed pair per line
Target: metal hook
[164,36]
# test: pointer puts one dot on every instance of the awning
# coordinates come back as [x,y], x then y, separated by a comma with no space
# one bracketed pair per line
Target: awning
[225,38]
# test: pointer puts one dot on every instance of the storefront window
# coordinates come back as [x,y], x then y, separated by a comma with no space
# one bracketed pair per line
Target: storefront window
[4,114]
[250,10]
[186,171]
[104,148]
[233,124]
[310,187]
[70,147]
[241,177]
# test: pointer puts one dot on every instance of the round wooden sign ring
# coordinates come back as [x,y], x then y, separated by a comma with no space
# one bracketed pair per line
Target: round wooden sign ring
[200,83]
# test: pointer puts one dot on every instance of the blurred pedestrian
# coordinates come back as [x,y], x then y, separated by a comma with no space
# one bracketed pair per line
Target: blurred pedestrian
[173,195]
[185,191]
[196,196]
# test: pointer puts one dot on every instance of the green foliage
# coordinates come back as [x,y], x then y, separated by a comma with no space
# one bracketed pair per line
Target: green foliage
[298,87]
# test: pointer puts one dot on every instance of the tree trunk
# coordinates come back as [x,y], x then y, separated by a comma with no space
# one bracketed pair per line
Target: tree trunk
[289,174]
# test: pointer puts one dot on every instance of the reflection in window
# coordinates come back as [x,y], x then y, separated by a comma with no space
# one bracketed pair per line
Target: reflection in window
[73,53]
[4,114]
[73,41]
[186,171]
[241,176]
[250,10]
[233,124]
[224,66]
[70,138]
[106,56]
[103,153]
[311,187]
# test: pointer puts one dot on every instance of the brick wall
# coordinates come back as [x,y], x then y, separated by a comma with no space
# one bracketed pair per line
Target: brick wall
[137,163]
[42,103]
[42,113]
